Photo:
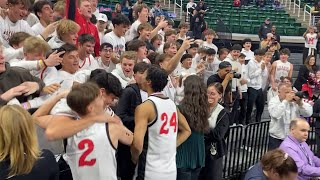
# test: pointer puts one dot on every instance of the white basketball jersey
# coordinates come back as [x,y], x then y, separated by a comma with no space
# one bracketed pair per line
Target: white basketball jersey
[91,155]
[158,158]
[282,70]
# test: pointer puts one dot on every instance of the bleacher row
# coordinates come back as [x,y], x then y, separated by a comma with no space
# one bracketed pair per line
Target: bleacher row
[246,20]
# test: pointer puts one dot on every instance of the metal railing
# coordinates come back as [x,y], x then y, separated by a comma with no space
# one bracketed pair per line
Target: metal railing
[175,5]
[246,145]
[179,5]
[224,33]
[307,12]
[297,5]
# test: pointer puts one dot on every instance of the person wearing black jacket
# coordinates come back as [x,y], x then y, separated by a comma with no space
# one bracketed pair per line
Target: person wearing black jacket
[131,97]
[309,68]
[215,145]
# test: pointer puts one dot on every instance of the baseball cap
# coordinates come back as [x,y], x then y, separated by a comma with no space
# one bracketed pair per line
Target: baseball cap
[267,19]
[102,17]
[224,64]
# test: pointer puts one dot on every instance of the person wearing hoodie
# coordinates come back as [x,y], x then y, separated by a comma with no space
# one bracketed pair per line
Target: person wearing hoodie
[232,58]
[131,97]
[124,70]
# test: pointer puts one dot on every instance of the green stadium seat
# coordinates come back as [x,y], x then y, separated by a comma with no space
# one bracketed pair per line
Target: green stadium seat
[291,32]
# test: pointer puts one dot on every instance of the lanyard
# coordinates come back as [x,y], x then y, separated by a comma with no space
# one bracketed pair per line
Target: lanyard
[84,62]
[42,72]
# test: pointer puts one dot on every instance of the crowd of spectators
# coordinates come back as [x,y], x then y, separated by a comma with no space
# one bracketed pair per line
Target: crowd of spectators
[129,96]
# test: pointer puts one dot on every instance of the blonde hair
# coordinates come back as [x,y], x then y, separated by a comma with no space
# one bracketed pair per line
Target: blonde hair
[66,27]
[18,140]
[268,54]
[132,55]
[59,7]
[35,45]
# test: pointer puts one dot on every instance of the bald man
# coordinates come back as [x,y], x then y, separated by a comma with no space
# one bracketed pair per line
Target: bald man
[295,145]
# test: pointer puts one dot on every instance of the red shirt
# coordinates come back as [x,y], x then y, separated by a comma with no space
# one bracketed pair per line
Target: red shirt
[86,27]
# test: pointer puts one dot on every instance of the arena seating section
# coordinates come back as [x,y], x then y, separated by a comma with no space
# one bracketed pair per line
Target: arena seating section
[245,20]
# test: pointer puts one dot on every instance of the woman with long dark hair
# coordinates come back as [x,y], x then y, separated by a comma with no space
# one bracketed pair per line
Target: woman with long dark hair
[306,71]
[191,154]
[216,146]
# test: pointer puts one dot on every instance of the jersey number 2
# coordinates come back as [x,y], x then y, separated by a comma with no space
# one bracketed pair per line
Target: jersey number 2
[90,146]
[172,123]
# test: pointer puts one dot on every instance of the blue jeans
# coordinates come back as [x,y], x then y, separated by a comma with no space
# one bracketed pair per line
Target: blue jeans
[188,174]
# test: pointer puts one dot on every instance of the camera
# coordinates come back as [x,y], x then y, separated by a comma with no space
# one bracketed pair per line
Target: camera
[302,94]
[235,74]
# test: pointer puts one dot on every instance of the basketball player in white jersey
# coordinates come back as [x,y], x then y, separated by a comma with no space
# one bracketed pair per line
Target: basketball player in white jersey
[281,68]
[91,153]
[159,129]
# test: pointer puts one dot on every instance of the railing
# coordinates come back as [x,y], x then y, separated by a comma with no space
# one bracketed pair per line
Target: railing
[175,4]
[307,12]
[224,33]
[179,5]
[297,5]
[246,145]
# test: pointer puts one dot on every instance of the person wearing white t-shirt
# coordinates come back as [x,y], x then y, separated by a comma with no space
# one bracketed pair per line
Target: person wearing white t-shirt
[102,22]
[246,50]
[211,64]
[311,39]
[142,12]
[183,29]
[170,62]
[124,70]
[186,65]
[116,36]
[209,36]
[105,61]
[43,10]
[31,18]
[86,43]
[281,68]
[14,22]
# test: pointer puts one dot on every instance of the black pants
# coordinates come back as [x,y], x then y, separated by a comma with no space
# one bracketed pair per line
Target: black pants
[274,143]
[213,169]
[235,108]
[255,97]
[125,165]
[188,174]
[243,108]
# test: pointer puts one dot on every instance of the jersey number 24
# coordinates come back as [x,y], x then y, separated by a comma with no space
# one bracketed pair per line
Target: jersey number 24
[172,123]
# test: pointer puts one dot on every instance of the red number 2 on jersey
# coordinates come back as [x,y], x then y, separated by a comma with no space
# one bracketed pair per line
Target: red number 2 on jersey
[172,123]
[90,146]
